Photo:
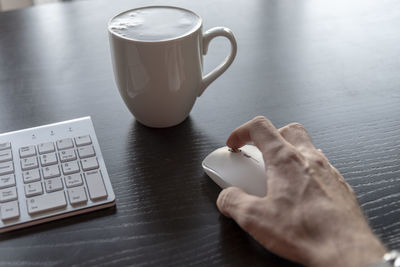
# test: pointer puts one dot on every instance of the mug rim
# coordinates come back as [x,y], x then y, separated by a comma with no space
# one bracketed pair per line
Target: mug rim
[177,38]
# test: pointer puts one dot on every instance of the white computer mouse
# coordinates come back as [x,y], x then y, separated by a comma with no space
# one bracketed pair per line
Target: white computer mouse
[243,168]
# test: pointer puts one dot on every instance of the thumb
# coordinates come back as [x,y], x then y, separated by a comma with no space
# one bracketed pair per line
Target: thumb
[245,209]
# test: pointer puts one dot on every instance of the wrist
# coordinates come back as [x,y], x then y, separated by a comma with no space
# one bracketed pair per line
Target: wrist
[360,251]
[368,250]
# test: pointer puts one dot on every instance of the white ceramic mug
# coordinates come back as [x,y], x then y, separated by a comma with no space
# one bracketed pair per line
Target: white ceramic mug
[159,81]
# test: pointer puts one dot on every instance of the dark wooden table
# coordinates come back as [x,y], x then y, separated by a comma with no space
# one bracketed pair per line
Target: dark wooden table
[333,66]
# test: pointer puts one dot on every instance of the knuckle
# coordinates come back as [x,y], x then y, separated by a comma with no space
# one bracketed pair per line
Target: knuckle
[260,122]
[249,207]
[224,199]
[260,126]
[284,130]
[259,119]
[319,160]
[298,130]
[296,125]
[293,128]
[231,192]
[314,157]
[292,155]
[286,156]
[295,133]
[248,213]
[246,222]
[228,200]
[221,201]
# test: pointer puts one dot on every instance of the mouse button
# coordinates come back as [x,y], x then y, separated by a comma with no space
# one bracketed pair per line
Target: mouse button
[239,170]
[252,150]
[217,160]
[254,153]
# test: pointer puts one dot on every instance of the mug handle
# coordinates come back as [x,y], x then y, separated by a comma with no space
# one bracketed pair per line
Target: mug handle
[221,68]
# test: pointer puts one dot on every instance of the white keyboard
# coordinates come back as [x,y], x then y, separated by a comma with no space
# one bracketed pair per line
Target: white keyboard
[51,172]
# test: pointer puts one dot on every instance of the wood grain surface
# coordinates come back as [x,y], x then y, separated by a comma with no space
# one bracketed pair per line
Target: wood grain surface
[333,66]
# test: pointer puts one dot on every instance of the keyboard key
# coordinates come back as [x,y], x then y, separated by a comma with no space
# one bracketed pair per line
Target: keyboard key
[29,163]
[46,147]
[33,189]
[8,194]
[5,155]
[77,195]
[95,184]
[86,152]
[6,167]
[65,143]
[70,167]
[54,184]
[46,202]
[31,176]
[51,171]
[67,155]
[5,145]
[48,159]
[9,211]
[89,164]
[27,151]
[83,140]
[73,180]
[7,180]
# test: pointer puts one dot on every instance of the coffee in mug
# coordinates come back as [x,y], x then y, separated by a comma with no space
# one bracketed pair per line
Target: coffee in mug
[154,24]
[157,60]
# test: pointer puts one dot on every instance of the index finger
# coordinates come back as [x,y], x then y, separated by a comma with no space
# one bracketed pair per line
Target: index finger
[264,135]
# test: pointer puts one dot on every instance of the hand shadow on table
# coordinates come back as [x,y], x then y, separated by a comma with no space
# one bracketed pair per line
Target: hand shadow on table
[178,199]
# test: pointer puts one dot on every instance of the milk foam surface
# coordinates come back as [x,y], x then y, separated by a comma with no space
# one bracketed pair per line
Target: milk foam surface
[154,23]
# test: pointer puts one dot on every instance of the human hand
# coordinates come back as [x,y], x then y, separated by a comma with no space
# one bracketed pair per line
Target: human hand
[310,214]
